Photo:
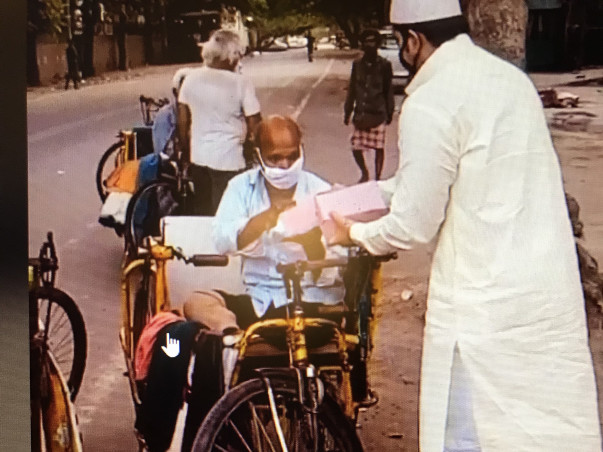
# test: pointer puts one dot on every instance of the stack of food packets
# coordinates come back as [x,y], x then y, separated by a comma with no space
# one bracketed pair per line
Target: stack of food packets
[362,202]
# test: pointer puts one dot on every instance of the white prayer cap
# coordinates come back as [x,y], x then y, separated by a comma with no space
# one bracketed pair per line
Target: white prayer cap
[417,11]
[179,76]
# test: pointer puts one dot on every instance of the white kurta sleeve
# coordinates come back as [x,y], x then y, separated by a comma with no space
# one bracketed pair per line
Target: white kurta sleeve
[428,143]
[387,187]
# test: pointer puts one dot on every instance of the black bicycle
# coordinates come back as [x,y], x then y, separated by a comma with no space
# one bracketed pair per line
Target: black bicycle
[57,356]
[56,323]
[170,194]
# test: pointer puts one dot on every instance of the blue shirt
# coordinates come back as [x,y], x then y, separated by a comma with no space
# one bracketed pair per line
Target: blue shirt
[247,196]
[164,125]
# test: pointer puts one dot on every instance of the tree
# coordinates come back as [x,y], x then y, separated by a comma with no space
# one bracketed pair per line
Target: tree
[43,16]
[499,26]
[354,15]
[91,16]
[274,18]
[278,17]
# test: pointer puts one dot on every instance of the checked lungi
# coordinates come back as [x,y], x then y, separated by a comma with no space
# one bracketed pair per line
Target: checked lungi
[365,140]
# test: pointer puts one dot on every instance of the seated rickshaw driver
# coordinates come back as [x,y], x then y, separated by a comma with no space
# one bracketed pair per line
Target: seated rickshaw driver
[244,224]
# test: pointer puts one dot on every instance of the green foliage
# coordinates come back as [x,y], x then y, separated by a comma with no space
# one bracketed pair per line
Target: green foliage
[275,18]
[54,16]
[279,17]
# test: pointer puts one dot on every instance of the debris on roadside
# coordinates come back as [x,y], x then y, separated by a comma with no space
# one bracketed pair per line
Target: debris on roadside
[406,294]
[551,98]
[572,121]
[592,281]
[395,435]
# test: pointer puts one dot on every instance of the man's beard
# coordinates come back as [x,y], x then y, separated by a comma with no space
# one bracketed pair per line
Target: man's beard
[411,68]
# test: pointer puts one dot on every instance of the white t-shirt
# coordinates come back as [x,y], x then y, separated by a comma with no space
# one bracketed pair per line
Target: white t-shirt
[218,100]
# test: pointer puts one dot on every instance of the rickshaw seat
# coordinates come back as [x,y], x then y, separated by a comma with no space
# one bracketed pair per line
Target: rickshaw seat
[192,234]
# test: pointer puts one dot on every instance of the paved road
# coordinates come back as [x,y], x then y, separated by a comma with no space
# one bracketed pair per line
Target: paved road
[68,132]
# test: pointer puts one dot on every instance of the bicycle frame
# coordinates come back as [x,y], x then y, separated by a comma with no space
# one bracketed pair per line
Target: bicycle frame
[54,423]
[154,261]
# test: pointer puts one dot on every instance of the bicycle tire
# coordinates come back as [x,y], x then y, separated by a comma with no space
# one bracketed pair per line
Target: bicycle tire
[144,305]
[101,173]
[145,210]
[72,363]
[223,422]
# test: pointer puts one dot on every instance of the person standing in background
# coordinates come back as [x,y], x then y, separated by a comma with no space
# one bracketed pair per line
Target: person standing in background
[213,102]
[310,45]
[371,99]
[73,67]
[120,31]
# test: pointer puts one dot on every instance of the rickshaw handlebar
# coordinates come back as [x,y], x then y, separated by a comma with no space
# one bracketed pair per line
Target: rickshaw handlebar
[208,260]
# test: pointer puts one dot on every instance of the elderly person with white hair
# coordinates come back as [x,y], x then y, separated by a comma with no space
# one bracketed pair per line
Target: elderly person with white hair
[212,103]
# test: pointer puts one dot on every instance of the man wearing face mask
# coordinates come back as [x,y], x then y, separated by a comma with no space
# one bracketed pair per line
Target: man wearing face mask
[244,225]
[506,364]
[371,98]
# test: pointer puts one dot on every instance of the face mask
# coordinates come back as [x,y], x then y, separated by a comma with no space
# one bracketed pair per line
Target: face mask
[282,178]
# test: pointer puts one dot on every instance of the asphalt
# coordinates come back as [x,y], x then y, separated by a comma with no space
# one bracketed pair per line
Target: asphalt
[586,83]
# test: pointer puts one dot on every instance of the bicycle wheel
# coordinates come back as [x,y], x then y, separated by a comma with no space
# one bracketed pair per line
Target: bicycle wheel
[62,328]
[144,304]
[241,421]
[145,210]
[105,166]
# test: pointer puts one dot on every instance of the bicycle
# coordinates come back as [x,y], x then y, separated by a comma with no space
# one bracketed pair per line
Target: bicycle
[132,144]
[314,381]
[57,355]
[144,293]
[170,194]
[341,360]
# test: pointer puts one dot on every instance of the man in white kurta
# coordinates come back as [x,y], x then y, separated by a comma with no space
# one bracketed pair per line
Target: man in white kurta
[506,365]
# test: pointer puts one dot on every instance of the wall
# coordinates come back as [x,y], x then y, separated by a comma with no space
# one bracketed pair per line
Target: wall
[52,62]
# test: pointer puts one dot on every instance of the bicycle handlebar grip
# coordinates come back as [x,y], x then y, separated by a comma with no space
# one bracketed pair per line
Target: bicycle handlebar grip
[208,260]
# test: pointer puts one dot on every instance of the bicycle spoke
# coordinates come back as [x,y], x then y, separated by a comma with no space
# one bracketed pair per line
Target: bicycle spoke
[259,424]
[57,343]
[64,357]
[240,435]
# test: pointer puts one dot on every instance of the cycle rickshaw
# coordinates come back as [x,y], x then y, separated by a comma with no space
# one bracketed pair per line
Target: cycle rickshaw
[295,383]
[58,346]
[160,189]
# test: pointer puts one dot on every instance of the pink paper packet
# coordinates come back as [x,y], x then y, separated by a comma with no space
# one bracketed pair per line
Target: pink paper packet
[361,202]
[299,219]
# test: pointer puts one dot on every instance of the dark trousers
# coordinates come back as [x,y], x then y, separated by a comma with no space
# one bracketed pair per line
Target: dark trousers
[209,185]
